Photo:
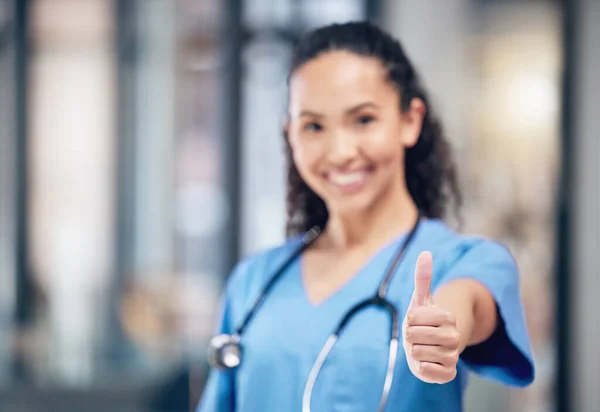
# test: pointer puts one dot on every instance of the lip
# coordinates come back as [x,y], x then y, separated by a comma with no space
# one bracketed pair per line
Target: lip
[349,181]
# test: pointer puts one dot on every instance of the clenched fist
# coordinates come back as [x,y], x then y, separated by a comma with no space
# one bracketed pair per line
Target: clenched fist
[429,333]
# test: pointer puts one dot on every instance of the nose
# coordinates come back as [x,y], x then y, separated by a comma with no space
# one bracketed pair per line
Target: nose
[343,147]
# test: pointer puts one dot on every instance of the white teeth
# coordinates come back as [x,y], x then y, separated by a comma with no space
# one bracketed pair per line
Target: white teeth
[344,179]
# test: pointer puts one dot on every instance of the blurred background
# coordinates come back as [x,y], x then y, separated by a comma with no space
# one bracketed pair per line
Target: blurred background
[141,156]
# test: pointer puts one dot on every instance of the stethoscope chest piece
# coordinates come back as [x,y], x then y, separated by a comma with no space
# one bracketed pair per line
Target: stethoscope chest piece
[225,352]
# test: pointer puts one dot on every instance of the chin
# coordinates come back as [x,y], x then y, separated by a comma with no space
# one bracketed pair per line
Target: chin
[351,205]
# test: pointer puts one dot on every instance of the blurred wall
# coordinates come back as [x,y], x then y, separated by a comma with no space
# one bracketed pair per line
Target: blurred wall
[7,179]
[585,230]
[71,196]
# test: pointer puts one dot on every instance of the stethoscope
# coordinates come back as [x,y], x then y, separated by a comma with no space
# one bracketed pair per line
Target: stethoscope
[225,351]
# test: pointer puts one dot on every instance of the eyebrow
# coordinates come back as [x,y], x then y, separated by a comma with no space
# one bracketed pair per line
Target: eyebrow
[349,111]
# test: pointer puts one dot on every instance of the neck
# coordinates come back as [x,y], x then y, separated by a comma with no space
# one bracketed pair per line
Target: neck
[384,221]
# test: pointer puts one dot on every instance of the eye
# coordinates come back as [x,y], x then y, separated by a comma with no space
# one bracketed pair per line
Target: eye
[364,119]
[313,127]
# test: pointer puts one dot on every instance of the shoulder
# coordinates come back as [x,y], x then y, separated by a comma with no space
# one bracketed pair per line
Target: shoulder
[452,249]
[253,271]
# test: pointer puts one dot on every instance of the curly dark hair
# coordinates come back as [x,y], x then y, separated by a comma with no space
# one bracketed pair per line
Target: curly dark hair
[429,166]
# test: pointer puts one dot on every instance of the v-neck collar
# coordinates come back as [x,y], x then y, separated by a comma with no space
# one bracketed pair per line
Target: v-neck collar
[370,282]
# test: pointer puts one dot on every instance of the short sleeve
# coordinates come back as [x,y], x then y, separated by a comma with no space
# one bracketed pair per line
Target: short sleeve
[506,356]
[219,394]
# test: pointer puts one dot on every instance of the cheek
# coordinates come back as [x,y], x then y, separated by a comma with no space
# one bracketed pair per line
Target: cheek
[306,158]
[384,149]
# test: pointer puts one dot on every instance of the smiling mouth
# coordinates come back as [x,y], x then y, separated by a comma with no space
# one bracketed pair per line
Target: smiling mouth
[349,181]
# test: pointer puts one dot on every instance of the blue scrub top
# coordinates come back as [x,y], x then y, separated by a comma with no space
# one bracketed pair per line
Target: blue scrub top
[283,340]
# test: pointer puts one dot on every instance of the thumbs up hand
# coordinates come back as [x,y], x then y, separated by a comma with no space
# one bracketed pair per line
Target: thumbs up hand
[429,333]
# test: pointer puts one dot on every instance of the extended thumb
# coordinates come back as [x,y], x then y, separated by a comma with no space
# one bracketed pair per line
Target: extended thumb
[423,273]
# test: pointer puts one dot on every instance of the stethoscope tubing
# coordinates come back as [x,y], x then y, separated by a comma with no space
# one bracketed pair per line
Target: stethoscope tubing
[379,299]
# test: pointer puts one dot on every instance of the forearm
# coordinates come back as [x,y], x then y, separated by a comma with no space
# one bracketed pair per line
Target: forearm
[473,308]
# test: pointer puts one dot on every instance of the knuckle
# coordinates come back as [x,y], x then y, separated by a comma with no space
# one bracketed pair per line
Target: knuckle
[409,334]
[414,351]
[453,339]
[411,318]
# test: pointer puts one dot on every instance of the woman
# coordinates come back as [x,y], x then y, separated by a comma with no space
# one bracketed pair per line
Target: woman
[367,162]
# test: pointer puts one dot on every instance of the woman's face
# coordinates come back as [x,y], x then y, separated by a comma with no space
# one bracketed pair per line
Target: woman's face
[347,132]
